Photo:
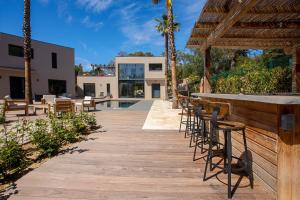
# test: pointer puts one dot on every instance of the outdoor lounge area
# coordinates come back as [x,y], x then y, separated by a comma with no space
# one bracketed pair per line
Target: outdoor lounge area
[124,161]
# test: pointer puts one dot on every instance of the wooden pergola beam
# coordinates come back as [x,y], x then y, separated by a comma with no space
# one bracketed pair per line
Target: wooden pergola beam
[223,10]
[234,15]
[253,25]
[246,43]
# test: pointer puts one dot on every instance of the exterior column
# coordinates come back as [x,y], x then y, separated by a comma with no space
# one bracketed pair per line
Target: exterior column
[296,70]
[207,65]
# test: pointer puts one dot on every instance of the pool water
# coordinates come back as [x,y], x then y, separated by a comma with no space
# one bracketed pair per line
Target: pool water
[114,104]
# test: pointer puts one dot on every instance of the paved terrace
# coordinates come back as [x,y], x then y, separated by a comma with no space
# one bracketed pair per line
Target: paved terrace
[127,162]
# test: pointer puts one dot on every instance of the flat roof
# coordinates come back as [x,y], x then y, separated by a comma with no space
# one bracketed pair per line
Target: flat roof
[2,33]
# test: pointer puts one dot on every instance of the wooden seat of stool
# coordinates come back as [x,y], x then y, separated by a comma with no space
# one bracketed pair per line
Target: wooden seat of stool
[230,125]
[209,116]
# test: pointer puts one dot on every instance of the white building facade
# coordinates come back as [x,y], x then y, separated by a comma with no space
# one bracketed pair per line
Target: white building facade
[135,78]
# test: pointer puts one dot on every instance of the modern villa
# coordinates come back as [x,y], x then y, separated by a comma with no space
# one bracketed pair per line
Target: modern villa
[52,68]
[135,77]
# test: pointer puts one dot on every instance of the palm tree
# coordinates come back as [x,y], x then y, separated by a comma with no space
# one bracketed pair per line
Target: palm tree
[162,27]
[27,51]
[172,48]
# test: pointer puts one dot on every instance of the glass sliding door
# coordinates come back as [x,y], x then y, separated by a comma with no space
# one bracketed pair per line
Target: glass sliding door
[131,89]
[131,81]
[89,89]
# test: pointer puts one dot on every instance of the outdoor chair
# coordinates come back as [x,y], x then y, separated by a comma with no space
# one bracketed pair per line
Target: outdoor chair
[48,99]
[15,105]
[62,106]
[88,102]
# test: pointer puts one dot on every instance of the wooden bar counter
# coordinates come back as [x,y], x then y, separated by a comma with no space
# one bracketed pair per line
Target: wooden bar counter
[275,151]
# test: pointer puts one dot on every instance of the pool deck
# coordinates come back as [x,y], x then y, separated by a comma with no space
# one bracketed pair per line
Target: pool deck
[123,161]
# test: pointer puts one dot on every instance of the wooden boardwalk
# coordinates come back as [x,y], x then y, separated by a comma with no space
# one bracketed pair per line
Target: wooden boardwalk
[126,162]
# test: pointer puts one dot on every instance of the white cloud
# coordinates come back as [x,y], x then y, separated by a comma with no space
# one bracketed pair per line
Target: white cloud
[138,33]
[87,22]
[45,2]
[84,62]
[63,10]
[95,5]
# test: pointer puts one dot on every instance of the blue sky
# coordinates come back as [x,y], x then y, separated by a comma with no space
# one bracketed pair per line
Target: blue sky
[99,29]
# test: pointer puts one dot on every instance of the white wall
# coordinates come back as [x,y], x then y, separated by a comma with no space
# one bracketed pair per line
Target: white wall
[100,85]
[150,76]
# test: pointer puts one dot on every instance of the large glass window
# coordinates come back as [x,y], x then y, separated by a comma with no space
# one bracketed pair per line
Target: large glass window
[57,87]
[155,67]
[14,50]
[131,89]
[131,71]
[131,81]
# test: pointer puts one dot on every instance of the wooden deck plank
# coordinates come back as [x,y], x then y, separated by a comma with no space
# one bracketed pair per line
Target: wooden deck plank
[126,162]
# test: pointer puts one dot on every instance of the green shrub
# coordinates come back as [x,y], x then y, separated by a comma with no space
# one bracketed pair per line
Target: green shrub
[64,128]
[89,119]
[2,115]
[50,134]
[11,154]
[46,140]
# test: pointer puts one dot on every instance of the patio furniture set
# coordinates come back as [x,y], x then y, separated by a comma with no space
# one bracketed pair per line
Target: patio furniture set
[49,103]
[206,126]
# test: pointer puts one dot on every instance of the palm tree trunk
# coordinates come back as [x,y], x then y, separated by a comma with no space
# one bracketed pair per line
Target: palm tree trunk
[27,51]
[172,55]
[166,65]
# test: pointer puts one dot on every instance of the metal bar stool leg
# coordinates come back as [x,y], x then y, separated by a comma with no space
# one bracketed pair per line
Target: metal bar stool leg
[248,165]
[192,138]
[188,122]
[229,157]
[196,145]
[181,120]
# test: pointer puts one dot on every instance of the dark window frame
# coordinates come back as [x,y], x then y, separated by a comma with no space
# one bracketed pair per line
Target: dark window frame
[20,53]
[157,67]
[54,60]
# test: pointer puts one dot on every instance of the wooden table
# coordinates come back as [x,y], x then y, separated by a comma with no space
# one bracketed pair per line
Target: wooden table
[36,107]
[275,150]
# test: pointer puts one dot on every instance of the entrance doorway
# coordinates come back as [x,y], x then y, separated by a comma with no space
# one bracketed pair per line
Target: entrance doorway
[89,89]
[155,90]
[17,87]
[108,89]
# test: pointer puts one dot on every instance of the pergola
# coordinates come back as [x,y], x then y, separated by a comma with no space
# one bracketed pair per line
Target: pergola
[245,24]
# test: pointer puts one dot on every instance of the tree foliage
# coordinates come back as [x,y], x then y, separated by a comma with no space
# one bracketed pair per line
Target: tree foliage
[253,76]
[190,67]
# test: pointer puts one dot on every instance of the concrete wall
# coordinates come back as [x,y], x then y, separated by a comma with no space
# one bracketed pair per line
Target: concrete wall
[146,61]
[100,85]
[150,76]
[41,65]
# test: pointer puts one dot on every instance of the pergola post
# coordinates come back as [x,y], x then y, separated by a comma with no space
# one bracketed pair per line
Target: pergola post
[207,65]
[296,70]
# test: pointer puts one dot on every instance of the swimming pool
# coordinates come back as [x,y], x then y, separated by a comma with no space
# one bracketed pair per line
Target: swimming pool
[115,104]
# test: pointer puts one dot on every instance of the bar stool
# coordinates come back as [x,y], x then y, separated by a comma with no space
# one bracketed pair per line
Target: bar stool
[187,111]
[198,123]
[227,127]
[205,118]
